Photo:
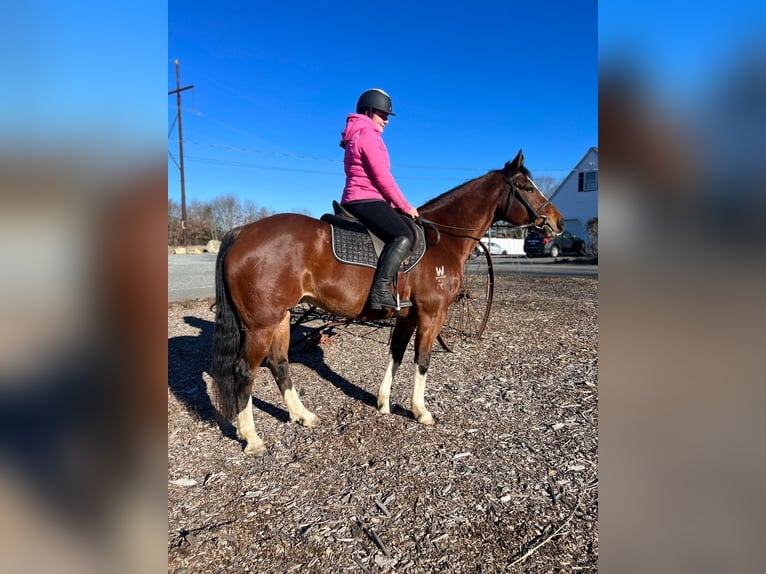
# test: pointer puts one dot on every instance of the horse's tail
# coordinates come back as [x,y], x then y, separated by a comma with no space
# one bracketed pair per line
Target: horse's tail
[226,369]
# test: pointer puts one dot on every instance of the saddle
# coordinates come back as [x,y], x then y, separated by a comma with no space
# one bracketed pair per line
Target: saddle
[353,243]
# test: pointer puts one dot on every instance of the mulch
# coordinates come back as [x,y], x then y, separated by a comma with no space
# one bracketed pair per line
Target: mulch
[506,481]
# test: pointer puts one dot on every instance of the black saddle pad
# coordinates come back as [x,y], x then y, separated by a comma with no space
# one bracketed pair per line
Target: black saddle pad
[353,245]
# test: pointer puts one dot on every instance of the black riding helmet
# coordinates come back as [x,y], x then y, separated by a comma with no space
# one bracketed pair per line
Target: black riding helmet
[374,99]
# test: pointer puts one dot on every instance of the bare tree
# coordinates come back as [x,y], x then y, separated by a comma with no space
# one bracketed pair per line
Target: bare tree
[200,228]
[212,219]
[253,212]
[175,234]
[547,184]
[226,212]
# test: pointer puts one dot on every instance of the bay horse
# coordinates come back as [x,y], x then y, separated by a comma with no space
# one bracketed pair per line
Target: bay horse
[267,267]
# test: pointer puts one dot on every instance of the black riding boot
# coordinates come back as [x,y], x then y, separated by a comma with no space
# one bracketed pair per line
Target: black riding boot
[388,265]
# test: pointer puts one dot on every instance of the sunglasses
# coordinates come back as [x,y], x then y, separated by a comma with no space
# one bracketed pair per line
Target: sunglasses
[383,115]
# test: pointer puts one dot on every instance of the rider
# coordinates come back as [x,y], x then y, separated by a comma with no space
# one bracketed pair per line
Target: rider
[371,194]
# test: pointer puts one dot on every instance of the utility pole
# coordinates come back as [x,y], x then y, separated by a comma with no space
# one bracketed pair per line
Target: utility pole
[177,92]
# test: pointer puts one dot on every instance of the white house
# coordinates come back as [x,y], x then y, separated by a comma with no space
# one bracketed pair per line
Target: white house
[576,197]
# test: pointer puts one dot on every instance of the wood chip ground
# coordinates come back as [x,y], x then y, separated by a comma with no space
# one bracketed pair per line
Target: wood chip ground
[506,481]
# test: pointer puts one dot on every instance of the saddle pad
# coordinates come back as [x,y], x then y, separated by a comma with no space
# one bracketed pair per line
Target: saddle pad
[355,248]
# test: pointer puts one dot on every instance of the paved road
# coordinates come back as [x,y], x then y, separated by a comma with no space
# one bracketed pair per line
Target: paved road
[561,267]
[192,276]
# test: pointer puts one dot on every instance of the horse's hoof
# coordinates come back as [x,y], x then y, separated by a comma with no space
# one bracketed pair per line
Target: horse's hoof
[255,449]
[426,419]
[384,409]
[310,420]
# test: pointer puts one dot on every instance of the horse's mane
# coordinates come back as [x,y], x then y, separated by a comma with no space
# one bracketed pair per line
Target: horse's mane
[523,169]
[453,193]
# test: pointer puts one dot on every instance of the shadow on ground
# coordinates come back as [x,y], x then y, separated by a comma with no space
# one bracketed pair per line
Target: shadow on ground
[189,357]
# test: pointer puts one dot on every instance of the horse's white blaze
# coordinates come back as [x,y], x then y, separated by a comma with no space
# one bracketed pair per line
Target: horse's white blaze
[297,411]
[418,399]
[246,429]
[384,392]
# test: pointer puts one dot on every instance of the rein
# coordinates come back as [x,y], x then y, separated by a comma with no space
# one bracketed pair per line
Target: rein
[513,194]
[435,227]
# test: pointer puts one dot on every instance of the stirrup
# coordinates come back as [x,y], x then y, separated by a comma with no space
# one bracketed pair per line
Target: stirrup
[401,304]
[377,303]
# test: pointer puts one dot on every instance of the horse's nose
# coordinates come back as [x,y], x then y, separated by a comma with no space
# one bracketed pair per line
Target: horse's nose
[556,222]
[553,221]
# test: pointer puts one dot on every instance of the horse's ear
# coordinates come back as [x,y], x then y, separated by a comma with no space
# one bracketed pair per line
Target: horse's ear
[516,164]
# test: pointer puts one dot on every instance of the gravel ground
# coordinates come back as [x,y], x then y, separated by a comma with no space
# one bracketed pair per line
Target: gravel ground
[506,481]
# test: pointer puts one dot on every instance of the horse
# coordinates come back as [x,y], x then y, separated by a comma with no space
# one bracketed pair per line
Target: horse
[265,268]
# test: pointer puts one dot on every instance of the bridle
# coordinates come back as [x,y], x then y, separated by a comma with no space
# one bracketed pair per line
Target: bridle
[514,193]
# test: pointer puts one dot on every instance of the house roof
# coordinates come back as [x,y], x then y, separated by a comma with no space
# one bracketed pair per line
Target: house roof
[573,171]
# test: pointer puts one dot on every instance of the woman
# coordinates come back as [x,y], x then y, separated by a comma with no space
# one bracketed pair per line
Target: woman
[371,194]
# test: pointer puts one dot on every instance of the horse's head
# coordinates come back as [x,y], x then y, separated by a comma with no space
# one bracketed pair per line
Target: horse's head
[524,203]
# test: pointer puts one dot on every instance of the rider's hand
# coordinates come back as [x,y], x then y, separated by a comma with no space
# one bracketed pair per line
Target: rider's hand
[414,213]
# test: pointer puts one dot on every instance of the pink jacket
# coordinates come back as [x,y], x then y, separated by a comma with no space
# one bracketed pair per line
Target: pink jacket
[368,169]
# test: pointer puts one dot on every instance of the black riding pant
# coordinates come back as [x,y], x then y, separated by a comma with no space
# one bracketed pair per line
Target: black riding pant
[384,221]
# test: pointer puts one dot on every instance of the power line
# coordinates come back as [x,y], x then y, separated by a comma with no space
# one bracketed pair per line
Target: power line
[233,163]
[291,155]
[265,152]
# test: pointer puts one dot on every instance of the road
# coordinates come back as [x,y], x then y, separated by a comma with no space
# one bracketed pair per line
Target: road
[192,276]
[560,267]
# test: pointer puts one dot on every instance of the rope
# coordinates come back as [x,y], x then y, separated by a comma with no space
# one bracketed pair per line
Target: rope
[433,225]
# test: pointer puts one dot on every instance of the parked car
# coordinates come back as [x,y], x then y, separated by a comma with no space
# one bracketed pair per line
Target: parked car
[495,249]
[538,245]
[492,247]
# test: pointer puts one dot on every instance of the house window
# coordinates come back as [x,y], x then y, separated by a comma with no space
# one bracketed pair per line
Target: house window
[588,181]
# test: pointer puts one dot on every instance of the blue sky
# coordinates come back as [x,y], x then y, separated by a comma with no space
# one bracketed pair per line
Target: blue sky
[471,85]
[682,49]
[87,72]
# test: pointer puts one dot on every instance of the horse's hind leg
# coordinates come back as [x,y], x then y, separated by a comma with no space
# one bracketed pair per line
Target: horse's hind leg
[254,348]
[245,425]
[254,445]
[277,362]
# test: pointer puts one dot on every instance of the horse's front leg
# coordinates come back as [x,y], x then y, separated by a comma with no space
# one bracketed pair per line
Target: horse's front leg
[424,340]
[419,389]
[399,339]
